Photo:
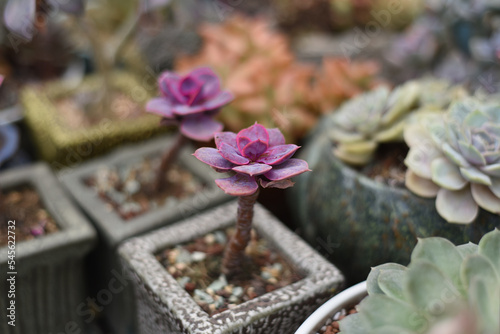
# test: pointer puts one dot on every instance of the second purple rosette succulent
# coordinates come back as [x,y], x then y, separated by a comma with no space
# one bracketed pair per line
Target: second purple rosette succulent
[255,154]
[191,101]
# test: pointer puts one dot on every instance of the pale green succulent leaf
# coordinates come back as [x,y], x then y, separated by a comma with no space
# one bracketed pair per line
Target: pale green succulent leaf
[456,206]
[492,157]
[495,186]
[380,310]
[476,119]
[474,175]
[393,133]
[493,113]
[467,249]
[471,154]
[443,254]
[478,266]
[493,170]
[489,247]
[344,136]
[400,102]
[493,129]
[359,147]
[429,288]
[447,175]
[415,134]
[485,198]
[485,300]
[372,286]
[391,283]
[352,158]
[454,155]
[353,324]
[419,159]
[420,186]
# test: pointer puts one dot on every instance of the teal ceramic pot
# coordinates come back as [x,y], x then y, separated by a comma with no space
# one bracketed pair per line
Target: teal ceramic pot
[359,223]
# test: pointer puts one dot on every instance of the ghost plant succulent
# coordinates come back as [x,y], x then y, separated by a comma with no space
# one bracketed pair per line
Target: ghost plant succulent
[190,101]
[455,157]
[254,155]
[369,119]
[446,289]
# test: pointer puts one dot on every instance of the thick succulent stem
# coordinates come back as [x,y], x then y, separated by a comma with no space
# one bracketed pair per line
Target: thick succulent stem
[169,156]
[234,255]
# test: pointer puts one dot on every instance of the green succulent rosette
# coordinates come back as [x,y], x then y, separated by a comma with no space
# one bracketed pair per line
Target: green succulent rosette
[369,119]
[446,289]
[455,157]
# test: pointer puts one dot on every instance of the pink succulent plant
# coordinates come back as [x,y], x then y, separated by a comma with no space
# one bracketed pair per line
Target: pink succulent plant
[191,101]
[255,154]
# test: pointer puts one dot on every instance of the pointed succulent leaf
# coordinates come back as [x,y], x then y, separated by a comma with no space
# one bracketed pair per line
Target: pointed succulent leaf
[254,132]
[357,159]
[443,254]
[471,154]
[372,282]
[489,247]
[342,136]
[229,153]
[467,249]
[474,175]
[476,119]
[225,137]
[380,310]
[400,101]
[492,170]
[484,298]
[160,106]
[391,282]
[288,169]
[456,206]
[218,101]
[454,156]
[447,175]
[429,288]
[419,159]
[254,149]
[392,133]
[485,198]
[477,266]
[420,186]
[278,154]
[200,127]
[212,157]
[253,169]
[275,137]
[238,185]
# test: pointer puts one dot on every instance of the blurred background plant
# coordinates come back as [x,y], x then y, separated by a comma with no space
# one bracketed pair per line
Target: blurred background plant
[456,40]
[337,15]
[269,84]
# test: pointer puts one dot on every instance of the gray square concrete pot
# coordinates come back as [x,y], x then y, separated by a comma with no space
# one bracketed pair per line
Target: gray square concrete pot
[113,229]
[50,280]
[165,307]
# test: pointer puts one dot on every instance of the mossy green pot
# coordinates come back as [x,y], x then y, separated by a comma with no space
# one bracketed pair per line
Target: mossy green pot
[359,223]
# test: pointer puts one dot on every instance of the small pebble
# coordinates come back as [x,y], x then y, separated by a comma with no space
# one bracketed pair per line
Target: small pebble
[218,284]
[237,291]
[203,296]
[220,237]
[198,256]
[209,239]
[132,186]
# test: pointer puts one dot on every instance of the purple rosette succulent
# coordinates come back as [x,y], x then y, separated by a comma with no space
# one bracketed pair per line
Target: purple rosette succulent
[256,155]
[191,101]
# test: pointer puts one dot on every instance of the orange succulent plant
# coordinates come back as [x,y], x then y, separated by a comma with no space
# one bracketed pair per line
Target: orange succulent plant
[270,86]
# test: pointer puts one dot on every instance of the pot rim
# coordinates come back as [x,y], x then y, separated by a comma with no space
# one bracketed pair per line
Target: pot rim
[335,304]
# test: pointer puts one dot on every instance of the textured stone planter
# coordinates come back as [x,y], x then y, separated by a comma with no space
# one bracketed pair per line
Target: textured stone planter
[343,300]
[366,223]
[113,229]
[50,280]
[63,146]
[165,307]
